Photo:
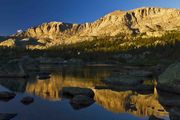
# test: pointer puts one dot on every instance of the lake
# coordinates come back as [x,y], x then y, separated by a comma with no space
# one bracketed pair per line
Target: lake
[48,103]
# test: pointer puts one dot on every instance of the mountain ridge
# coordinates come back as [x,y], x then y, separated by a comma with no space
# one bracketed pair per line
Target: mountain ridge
[150,21]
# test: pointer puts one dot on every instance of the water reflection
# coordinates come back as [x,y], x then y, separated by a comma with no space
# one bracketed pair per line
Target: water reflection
[131,102]
[49,89]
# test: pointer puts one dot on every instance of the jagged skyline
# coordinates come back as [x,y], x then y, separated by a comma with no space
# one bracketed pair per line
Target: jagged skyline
[20,14]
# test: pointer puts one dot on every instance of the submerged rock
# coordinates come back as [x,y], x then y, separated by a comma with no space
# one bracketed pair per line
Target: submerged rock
[44,75]
[6,96]
[27,100]
[170,80]
[7,116]
[81,101]
[73,91]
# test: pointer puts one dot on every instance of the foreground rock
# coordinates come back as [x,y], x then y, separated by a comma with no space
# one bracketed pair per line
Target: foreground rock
[79,97]
[6,96]
[7,116]
[18,68]
[81,101]
[27,100]
[74,91]
[13,69]
[170,80]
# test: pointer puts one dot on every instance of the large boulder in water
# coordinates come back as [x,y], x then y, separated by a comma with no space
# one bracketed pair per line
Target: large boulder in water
[12,69]
[19,68]
[74,91]
[170,80]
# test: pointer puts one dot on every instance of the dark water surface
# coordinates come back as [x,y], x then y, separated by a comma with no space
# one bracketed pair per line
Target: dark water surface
[49,105]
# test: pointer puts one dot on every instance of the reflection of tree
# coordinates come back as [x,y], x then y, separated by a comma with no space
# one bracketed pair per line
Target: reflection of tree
[47,89]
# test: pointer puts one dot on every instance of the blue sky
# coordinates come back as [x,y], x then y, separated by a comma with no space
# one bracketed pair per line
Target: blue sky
[21,14]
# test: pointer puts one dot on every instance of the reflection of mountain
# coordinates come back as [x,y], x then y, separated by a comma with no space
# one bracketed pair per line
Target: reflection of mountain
[127,101]
[131,102]
[49,89]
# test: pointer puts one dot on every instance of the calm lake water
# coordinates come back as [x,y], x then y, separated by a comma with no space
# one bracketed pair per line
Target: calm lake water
[49,105]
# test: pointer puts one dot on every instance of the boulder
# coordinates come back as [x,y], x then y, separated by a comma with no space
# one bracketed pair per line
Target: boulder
[27,100]
[6,96]
[18,68]
[74,91]
[81,101]
[43,75]
[169,81]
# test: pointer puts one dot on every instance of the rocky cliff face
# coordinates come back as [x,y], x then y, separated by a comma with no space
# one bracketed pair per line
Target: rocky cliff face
[149,21]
